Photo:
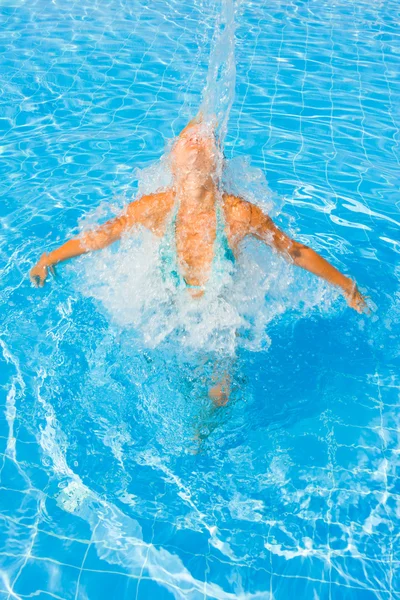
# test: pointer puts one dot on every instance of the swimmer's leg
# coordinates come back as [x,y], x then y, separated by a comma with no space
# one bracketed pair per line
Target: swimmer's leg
[219,393]
[216,372]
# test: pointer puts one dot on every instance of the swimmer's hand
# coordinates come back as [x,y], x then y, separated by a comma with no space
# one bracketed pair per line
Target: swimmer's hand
[40,271]
[356,300]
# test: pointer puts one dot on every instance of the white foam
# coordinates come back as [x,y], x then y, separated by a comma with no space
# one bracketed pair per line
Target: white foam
[130,282]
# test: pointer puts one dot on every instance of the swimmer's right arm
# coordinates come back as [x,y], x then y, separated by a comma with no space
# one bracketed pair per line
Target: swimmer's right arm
[262,226]
[97,239]
[246,218]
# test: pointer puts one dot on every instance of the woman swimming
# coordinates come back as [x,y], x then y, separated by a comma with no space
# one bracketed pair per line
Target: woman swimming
[202,220]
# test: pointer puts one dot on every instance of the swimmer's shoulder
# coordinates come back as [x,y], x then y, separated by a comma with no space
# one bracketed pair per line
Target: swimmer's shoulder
[150,203]
[244,218]
[151,210]
[237,210]
[242,211]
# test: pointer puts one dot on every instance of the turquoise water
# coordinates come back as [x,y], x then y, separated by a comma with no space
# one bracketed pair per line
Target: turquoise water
[293,490]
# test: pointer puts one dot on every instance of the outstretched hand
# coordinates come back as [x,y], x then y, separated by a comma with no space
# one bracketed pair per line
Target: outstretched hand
[40,271]
[357,301]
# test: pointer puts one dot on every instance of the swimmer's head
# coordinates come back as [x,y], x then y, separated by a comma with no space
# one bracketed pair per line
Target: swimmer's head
[195,151]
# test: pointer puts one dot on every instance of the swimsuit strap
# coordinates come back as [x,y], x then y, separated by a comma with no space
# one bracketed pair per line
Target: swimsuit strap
[169,255]
[196,287]
[223,249]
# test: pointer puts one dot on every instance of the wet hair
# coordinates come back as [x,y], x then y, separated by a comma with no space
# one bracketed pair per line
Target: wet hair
[198,120]
[211,132]
[194,121]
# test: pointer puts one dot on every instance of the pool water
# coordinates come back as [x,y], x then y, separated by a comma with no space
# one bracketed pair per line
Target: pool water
[118,479]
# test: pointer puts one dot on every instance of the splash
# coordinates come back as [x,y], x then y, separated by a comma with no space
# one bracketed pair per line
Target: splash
[219,91]
[130,280]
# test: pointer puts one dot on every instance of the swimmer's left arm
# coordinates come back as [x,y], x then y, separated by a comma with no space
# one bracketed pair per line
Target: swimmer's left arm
[262,227]
[96,239]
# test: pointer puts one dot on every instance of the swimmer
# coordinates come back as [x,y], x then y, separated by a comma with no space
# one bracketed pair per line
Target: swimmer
[197,223]
[202,219]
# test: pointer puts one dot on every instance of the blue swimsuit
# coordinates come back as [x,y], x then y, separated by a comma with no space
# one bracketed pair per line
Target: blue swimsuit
[223,255]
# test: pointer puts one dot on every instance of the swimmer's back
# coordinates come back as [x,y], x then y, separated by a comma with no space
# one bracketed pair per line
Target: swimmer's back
[194,232]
